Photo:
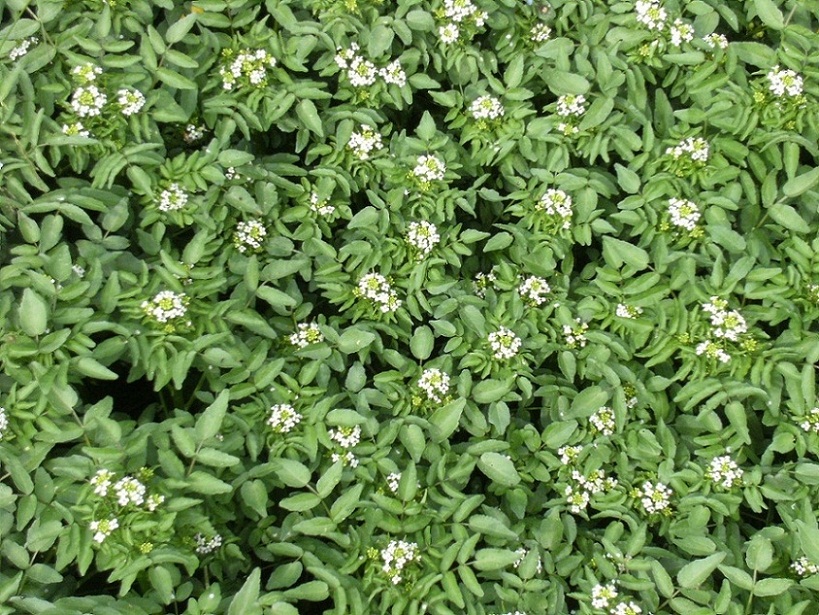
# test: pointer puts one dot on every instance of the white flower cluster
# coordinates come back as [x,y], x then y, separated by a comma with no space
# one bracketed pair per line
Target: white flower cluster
[86,73]
[376,288]
[129,490]
[76,129]
[716,40]
[569,454]
[681,32]
[459,12]
[486,108]
[172,198]
[630,393]
[396,556]
[423,237]
[654,497]
[482,282]
[365,142]
[504,343]
[429,168]
[88,101]
[248,67]
[103,528]
[726,324]
[321,207]
[626,608]
[513,613]
[782,82]
[575,335]
[363,73]
[435,383]
[306,334]
[346,437]
[130,101]
[533,290]
[206,545]
[571,105]
[540,33]
[126,491]
[804,567]
[23,48]
[4,422]
[249,236]
[193,133]
[393,480]
[579,494]
[628,311]
[283,418]
[694,148]
[603,421]
[603,596]
[101,481]
[522,553]
[810,422]
[684,213]
[651,14]
[557,203]
[712,350]
[725,472]
[166,306]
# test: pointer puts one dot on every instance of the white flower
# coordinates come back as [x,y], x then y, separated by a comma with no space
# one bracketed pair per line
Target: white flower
[397,555]
[534,290]
[571,105]
[86,73]
[101,481]
[603,421]
[712,350]
[365,142]
[725,472]
[654,497]
[504,343]
[626,608]
[247,67]
[651,14]
[696,149]
[307,333]
[322,208]
[684,213]
[804,567]
[4,422]
[429,168]
[557,203]
[603,595]
[23,48]
[347,459]
[575,335]
[88,101]
[154,501]
[75,130]
[716,40]
[362,73]
[784,81]
[486,108]
[540,33]
[345,56]
[249,236]
[165,306]
[103,528]
[129,491]
[459,10]
[130,101]
[376,288]
[810,423]
[482,282]
[346,437]
[568,454]
[681,32]
[205,545]
[449,33]
[193,133]
[283,418]
[726,324]
[394,73]
[423,236]
[435,383]
[173,198]
[628,311]
[393,480]
[522,553]
[577,499]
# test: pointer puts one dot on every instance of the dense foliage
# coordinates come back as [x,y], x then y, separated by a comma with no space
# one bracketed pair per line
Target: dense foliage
[424,306]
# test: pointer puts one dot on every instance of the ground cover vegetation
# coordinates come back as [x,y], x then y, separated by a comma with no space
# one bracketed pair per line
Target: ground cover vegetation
[414,307]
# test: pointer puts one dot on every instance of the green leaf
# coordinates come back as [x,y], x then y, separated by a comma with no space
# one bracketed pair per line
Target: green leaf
[737,576]
[174,79]
[420,20]
[494,559]
[245,602]
[628,179]
[772,587]
[616,252]
[275,297]
[499,468]
[308,114]
[94,369]
[692,575]
[210,421]
[490,390]
[426,128]
[179,29]
[770,14]
[754,53]
[355,339]
[587,402]
[445,419]
[33,313]
[788,217]
[422,342]
[498,241]
[291,472]
[809,539]
[204,483]
[662,579]
[801,183]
